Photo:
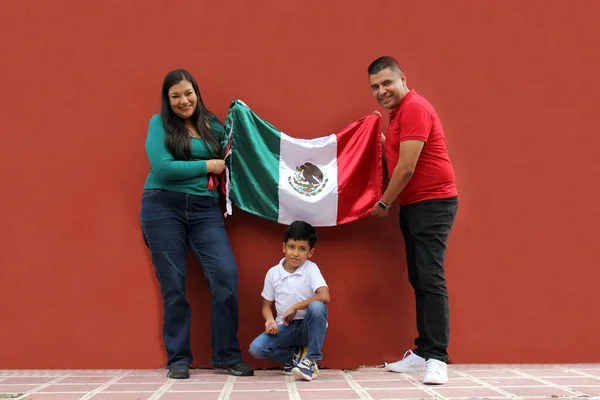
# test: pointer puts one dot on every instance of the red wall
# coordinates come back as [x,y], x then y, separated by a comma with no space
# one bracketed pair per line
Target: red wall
[515,83]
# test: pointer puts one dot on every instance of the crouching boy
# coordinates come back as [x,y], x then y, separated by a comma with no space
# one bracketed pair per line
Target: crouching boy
[299,292]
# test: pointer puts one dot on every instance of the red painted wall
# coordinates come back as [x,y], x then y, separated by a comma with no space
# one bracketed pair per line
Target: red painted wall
[515,83]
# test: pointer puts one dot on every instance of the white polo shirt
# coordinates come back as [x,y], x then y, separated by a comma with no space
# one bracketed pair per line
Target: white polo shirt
[288,289]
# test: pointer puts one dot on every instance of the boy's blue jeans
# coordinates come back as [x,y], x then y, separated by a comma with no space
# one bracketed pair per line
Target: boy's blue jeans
[309,331]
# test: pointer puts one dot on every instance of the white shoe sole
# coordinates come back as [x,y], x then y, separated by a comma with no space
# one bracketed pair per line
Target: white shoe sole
[406,369]
[431,382]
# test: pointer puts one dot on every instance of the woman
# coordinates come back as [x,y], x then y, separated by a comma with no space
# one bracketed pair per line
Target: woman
[180,208]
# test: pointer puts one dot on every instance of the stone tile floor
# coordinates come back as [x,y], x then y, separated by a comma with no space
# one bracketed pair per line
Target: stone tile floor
[466,382]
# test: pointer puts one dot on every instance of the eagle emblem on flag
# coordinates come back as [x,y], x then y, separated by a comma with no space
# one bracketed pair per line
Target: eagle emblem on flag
[308,180]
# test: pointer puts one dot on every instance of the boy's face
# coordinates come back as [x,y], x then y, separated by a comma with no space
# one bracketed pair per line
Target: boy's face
[296,252]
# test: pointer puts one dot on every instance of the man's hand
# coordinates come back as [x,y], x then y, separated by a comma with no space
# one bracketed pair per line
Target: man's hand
[271,327]
[289,316]
[377,211]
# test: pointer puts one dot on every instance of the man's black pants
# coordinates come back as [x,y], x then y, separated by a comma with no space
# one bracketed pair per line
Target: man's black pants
[426,226]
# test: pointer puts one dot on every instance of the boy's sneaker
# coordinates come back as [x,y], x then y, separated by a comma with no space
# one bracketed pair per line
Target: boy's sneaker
[306,369]
[409,363]
[436,372]
[298,355]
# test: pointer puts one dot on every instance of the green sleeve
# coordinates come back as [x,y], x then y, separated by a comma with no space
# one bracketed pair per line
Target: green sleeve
[161,160]
[219,131]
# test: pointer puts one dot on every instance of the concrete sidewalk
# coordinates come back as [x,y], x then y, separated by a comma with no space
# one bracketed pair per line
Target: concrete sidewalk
[466,382]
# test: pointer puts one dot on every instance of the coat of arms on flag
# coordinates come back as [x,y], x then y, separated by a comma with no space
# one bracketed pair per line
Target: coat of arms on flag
[326,181]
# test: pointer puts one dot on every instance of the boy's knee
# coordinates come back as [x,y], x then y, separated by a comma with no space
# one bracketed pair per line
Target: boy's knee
[318,308]
[258,351]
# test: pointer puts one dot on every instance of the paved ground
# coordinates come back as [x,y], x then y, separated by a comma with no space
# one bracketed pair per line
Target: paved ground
[466,382]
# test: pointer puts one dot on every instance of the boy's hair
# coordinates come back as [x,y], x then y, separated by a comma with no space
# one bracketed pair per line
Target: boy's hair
[382,63]
[300,230]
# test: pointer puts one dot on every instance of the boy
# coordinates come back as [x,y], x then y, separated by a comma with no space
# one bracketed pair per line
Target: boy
[299,293]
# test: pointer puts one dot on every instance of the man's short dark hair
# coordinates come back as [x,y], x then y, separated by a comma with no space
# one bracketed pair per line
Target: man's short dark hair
[300,230]
[382,63]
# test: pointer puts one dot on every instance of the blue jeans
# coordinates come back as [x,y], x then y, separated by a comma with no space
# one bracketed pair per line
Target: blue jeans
[309,331]
[172,221]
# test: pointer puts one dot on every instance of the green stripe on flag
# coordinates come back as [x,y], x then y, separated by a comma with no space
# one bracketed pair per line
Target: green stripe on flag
[255,170]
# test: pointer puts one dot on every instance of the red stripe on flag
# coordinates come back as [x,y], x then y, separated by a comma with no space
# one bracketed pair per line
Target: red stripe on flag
[213,181]
[222,177]
[359,161]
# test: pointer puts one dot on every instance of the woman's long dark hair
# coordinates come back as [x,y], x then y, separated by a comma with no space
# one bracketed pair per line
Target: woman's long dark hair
[178,139]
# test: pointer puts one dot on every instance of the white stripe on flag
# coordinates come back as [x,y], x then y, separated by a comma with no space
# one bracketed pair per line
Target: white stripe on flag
[314,201]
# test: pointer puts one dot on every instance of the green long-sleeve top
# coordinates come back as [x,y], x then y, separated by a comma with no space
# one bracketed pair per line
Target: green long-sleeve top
[166,173]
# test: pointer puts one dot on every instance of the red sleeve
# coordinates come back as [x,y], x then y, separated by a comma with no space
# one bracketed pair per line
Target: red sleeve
[415,123]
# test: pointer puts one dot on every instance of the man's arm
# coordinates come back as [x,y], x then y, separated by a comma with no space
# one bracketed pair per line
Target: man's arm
[410,150]
[414,128]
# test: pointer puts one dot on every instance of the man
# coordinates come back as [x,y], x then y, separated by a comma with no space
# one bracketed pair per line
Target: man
[422,179]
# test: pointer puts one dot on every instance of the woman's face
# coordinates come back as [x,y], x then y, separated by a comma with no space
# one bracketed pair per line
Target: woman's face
[183,99]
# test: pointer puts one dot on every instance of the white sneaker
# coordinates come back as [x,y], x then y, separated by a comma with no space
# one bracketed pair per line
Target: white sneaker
[409,363]
[436,372]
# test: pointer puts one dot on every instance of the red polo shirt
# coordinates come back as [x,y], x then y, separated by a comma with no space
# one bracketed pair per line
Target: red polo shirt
[433,178]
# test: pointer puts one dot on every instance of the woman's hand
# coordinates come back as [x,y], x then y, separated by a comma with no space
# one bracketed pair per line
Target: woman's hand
[215,166]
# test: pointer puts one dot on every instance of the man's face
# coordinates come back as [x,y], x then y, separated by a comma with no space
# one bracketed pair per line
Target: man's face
[389,87]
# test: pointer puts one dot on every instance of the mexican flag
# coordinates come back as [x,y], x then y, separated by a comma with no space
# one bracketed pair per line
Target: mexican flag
[326,181]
